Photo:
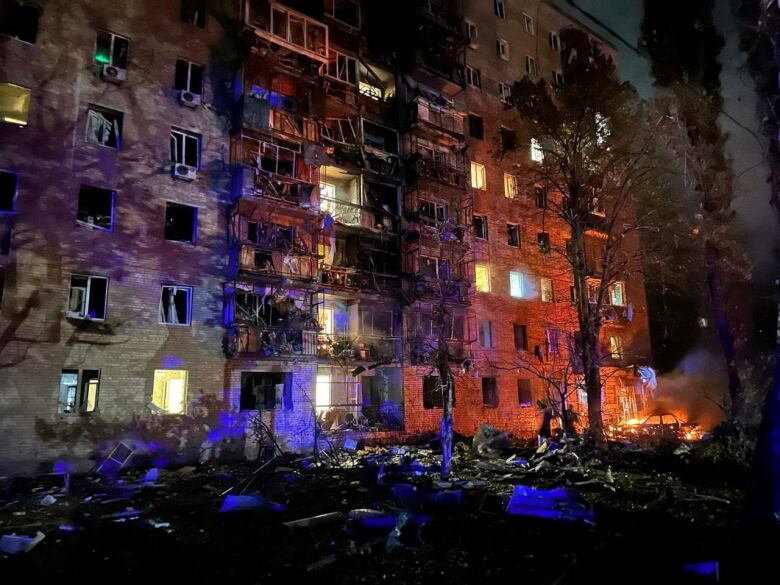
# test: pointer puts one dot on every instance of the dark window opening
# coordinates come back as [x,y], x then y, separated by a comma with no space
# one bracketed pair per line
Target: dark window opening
[513,235]
[175,305]
[480,227]
[180,222]
[525,395]
[104,126]
[346,11]
[541,198]
[521,336]
[266,391]
[376,136]
[543,238]
[433,392]
[87,297]
[508,139]
[194,12]
[8,185]
[96,207]
[490,392]
[20,21]
[476,127]
[189,76]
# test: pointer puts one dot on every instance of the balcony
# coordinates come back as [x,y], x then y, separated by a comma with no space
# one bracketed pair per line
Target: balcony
[354,279]
[421,350]
[269,342]
[259,260]
[284,27]
[437,118]
[449,170]
[434,232]
[450,290]
[359,348]
[258,114]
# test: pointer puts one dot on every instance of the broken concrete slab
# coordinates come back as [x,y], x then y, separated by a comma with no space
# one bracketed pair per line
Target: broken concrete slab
[12,544]
[558,504]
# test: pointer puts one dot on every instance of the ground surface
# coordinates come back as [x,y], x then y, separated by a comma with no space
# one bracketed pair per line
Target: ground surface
[653,514]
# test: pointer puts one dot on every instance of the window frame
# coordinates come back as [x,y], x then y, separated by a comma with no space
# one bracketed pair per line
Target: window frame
[499,9]
[485,231]
[616,347]
[284,404]
[196,211]
[524,385]
[15,194]
[487,337]
[554,40]
[14,121]
[484,269]
[517,284]
[523,329]
[165,408]
[478,176]
[95,226]
[190,65]
[182,147]
[528,24]
[348,59]
[114,37]
[190,291]
[502,49]
[546,293]
[512,228]
[481,126]
[472,33]
[120,118]
[81,398]
[473,77]
[531,66]
[504,92]
[622,287]
[537,153]
[72,314]
[510,186]
[330,11]
[492,389]
[9,33]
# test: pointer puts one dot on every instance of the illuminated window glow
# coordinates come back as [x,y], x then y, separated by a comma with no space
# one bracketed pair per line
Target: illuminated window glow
[170,391]
[483,278]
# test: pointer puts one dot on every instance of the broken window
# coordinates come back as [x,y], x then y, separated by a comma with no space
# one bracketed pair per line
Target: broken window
[96,207]
[104,126]
[345,11]
[490,392]
[516,284]
[482,277]
[504,92]
[175,305]
[530,66]
[617,294]
[513,235]
[9,183]
[433,395]
[185,148]
[111,49]
[189,76]
[342,67]
[434,268]
[431,212]
[528,23]
[546,288]
[14,104]
[472,34]
[266,390]
[87,297]
[473,77]
[480,227]
[486,334]
[169,393]
[555,41]
[521,336]
[540,197]
[194,12]
[499,8]
[79,391]
[508,139]
[615,347]
[180,222]
[476,127]
[525,395]
[543,239]
[502,49]
[380,137]
[20,21]
[557,78]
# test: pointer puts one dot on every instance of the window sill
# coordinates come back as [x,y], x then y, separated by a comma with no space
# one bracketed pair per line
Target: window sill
[94,226]
[176,324]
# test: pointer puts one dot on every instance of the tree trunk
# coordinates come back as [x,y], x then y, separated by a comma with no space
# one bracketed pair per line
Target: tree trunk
[445,379]
[593,387]
[723,328]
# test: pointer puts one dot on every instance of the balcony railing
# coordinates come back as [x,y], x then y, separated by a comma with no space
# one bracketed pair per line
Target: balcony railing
[440,118]
[349,278]
[259,114]
[287,28]
[454,290]
[341,131]
[268,342]
[439,170]
[421,350]
[264,261]
[441,231]
[354,214]
[366,348]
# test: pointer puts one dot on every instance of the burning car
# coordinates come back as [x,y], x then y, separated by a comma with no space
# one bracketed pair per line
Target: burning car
[655,427]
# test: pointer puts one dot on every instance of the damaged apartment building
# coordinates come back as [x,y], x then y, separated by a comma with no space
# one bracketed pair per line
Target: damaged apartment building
[277,208]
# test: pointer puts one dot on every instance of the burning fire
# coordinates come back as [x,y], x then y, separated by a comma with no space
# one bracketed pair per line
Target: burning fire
[655,426]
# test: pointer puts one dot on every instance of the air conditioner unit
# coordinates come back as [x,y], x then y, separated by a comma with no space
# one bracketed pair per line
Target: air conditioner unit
[113,74]
[189,99]
[184,172]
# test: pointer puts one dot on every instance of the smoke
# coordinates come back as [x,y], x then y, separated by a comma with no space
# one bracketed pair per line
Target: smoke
[693,391]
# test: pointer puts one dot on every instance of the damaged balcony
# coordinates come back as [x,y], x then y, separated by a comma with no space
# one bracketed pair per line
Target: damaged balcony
[427,332]
[353,331]
[439,53]
[445,163]
[443,277]
[277,172]
[360,263]
[429,117]
[268,322]
[435,221]
[259,113]
[352,201]
[286,31]
[371,400]
[265,248]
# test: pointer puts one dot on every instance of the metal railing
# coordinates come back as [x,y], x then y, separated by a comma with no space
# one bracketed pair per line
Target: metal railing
[270,341]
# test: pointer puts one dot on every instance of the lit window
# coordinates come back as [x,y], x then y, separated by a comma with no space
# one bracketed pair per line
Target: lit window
[322,393]
[537,154]
[111,49]
[617,294]
[326,321]
[528,23]
[104,126]
[176,305]
[530,66]
[546,287]
[555,41]
[483,277]
[473,77]
[14,104]
[516,285]
[510,186]
[169,393]
[502,49]
[87,297]
[478,176]
[615,347]
[499,8]
[185,148]
[96,207]
[79,391]
[504,92]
